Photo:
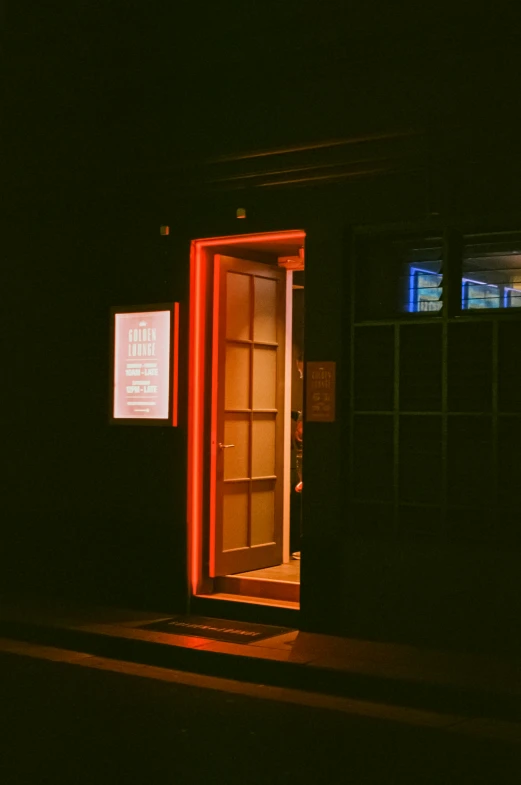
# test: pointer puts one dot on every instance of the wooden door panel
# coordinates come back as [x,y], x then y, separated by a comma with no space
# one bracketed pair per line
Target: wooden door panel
[235,516]
[265,377]
[263,513]
[263,437]
[238,306]
[237,459]
[265,303]
[237,376]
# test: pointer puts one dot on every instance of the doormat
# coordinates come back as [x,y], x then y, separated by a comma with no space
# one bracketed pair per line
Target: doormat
[217,629]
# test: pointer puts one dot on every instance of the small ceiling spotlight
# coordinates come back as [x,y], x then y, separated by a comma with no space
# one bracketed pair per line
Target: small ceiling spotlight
[241,212]
[164,230]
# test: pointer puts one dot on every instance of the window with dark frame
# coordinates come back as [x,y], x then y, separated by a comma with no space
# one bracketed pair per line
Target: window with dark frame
[435,402]
[491,272]
[398,275]
[404,275]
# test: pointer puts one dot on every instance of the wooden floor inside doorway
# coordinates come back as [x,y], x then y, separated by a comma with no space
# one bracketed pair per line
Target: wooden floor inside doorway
[281,572]
[281,582]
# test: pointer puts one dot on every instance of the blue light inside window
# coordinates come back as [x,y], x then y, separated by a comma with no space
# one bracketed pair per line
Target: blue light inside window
[424,290]
[511,298]
[477,294]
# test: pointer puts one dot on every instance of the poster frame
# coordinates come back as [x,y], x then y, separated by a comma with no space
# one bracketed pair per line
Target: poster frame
[172,419]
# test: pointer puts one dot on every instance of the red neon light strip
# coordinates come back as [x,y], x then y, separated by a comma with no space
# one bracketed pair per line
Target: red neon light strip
[175,381]
[190,477]
[196,384]
[240,238]
[194,417]
[215,383]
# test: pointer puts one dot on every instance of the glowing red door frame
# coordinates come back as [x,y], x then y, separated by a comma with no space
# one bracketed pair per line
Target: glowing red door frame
[175,371]
[196,377]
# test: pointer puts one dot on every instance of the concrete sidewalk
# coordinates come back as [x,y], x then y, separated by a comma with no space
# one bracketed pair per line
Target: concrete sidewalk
[471,685]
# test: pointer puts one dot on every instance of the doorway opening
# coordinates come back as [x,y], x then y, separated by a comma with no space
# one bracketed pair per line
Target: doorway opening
[245,417]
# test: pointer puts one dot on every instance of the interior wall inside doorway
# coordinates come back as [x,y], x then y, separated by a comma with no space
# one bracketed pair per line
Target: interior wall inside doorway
[297,339]
[297,405]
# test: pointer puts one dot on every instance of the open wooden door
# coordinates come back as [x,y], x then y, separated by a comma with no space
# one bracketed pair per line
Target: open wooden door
[247,433]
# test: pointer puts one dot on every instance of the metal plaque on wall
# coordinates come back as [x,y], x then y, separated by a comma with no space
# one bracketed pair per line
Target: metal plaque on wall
[320,391]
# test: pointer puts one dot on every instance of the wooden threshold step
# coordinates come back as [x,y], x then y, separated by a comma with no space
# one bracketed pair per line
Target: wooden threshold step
[258,587]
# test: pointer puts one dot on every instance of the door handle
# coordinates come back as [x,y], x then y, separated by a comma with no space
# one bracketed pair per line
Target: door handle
[225,446]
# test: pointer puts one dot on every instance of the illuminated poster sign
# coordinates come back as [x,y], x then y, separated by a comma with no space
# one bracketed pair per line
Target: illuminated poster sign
[320,391]
[145,364]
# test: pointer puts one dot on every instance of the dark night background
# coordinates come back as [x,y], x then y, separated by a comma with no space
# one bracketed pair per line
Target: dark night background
[96,89]
[108,107]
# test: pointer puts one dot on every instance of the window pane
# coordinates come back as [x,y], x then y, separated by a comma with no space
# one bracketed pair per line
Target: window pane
[421,362]
[236,458]
[264,378]
[263,445]
[237,377]
[374,368]
[238,306]
[373,457]
[398,275]
[492,273]
[425,282]
[265,314]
